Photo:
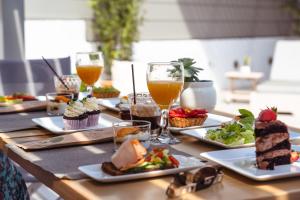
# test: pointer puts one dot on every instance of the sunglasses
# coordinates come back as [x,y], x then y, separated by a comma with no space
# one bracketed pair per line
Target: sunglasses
[194,180]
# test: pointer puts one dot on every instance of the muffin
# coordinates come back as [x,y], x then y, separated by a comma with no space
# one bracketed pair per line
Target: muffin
[93,110]
[75,116]
[182,118]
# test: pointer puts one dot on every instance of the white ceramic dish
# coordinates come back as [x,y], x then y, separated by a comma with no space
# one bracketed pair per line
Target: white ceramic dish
[96,173]
[110,103]
[242,161]
[56,125]
[211,121]
[201,135]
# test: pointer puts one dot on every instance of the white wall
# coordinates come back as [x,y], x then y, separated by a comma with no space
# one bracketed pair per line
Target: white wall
[216,56]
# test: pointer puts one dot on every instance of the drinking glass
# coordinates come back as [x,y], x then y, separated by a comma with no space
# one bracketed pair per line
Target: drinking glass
[144,108]
[89,66]
[132,129]
[72,81]
[165,81]
[57,102]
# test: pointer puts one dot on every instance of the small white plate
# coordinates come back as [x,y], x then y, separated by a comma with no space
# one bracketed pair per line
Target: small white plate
[243,161]
[96,173]
[56,124]
[110,103]
[201,135]
[211,121]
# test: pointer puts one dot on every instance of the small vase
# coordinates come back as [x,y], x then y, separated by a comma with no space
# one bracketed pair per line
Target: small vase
[199,95]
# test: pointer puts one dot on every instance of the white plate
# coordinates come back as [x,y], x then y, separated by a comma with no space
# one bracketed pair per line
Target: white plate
[56,125]
[211,121]
[201,135]
[242,161]
[110,103]
[96,173]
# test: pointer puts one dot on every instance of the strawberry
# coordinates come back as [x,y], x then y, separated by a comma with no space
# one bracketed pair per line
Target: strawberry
[268,115]
[294,156]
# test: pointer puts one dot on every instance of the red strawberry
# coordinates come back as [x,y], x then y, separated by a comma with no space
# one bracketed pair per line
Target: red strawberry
[268,114]
[294,156]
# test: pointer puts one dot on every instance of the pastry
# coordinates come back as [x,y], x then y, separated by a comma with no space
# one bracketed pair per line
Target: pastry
[271,141]
[105,92]
[182,118]
[93,110]
[75,116]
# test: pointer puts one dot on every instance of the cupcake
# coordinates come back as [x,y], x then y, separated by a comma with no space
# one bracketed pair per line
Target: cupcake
[75,116]
[93,110]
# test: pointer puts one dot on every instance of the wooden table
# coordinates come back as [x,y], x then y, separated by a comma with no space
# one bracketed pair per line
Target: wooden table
[233,186]
[233,76]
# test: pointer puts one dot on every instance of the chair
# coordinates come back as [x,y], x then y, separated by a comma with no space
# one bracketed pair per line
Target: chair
[30,76]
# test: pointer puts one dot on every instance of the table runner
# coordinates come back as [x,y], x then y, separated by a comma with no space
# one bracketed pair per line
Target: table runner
[19,121]
[64,162]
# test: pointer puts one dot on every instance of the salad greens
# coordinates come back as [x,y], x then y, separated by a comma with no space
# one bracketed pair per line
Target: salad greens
[237,132]
[105,89]
[158,158]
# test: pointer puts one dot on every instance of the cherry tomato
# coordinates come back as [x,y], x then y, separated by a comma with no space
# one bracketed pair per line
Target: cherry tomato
[174,161]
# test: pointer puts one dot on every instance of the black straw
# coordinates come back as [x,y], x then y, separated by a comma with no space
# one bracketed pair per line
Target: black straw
[55,73]
[133,83]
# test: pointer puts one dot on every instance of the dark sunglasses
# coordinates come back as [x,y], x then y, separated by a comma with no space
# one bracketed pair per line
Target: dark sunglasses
[195,180]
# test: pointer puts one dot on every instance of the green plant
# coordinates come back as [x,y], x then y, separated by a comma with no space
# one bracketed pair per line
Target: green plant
[190,72]
[292,7]
[115,25]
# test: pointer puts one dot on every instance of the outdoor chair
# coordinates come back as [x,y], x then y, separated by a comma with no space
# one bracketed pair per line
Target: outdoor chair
[30,76]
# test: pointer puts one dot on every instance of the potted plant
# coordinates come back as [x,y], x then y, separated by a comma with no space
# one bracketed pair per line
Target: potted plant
[115,26]
[196,93]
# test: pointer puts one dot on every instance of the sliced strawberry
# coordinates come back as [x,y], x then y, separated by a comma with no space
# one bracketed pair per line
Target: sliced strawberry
[294,156]
[186,113]
[268,115]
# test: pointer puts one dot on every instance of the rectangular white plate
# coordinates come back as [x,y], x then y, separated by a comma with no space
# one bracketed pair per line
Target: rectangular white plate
[211,121]
[56,125]
[243,161]
[96,173]
[201,135]
[110,103]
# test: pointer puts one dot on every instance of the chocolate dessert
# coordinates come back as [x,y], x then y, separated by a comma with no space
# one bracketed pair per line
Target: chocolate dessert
[271,141]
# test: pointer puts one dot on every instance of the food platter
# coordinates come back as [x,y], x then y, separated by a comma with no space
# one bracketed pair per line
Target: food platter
[242,161]
[95,172]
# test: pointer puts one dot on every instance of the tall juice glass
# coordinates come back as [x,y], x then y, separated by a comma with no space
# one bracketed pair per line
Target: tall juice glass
[89,66]
[165,81]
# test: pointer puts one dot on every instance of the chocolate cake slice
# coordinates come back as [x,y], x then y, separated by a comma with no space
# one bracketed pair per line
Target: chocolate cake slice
[272,144]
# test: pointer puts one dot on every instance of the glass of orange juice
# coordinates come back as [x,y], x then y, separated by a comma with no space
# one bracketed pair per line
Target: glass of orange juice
[89,66]
[165,81]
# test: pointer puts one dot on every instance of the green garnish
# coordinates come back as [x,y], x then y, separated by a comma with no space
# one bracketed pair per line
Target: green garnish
[235,133]
[105,89]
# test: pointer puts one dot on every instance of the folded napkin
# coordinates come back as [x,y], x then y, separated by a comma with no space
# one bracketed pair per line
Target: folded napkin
[24,107]
[73,139]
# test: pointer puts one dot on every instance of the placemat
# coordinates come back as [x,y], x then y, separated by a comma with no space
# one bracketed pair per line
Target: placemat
[24,107]
[19,121]
[64,162]
[72,139]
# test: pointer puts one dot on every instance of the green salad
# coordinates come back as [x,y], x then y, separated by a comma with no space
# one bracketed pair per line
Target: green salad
[238,132]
